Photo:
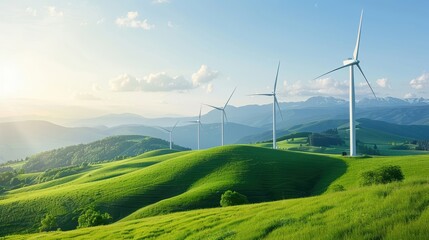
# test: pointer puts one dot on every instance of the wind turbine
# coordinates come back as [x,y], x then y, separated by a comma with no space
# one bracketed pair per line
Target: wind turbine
[199,125]
[351,62]
[275,103]
[223,114]
[170,131]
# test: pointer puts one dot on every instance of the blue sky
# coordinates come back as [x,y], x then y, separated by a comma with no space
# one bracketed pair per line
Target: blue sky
[157,58]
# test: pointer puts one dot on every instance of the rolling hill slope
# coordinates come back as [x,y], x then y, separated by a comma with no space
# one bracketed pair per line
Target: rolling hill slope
[391,211]
[106,149]
[148,186]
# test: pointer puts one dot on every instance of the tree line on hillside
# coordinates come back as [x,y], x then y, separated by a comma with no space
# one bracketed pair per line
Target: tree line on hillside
[108,149]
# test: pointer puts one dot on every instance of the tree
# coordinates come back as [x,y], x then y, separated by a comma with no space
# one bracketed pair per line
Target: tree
[91,217]
[49,223]
[382,175]
[231,198]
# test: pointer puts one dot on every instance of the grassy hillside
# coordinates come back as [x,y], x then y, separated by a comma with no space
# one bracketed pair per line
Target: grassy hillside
[152,185]
[110,148]
[392,211]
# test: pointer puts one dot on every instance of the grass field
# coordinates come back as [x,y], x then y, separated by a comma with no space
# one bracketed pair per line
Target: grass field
[391,211]
[154,184]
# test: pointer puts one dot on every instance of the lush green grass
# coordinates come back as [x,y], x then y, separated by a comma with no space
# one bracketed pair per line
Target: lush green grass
[391,211]
[151,185]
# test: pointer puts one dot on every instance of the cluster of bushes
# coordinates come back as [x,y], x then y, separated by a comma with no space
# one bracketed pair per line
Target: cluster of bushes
[88,218]
[382,175]
[369,150]
[325,139]
[56,173]
[232,198]
[423,145]
[401,147]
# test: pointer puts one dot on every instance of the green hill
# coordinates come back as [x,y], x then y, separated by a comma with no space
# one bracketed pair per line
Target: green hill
[391,211]
[110,148]
[153,185]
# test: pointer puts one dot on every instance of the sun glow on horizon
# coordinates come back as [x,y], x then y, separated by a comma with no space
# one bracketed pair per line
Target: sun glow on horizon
[11,80]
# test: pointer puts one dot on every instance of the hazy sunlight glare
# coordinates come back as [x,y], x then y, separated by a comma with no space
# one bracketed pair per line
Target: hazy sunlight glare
[10,80]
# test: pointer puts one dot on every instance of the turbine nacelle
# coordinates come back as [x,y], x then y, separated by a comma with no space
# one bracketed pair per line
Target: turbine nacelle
[350,61]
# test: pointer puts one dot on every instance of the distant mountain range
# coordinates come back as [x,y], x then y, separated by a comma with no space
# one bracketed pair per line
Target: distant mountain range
[21,139]
[246,124]
[259,115]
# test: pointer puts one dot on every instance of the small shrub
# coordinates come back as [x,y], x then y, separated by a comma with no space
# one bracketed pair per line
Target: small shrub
[92,218]
[48,223]
[338,188]
[231,198]
[382,175]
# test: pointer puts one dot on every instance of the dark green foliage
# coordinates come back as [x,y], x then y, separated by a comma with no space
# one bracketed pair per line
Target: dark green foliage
[293,135]
[363,149]
[338,188]
[6,177]
[382,175]
[423,145]
[49,223]
[401,147]
[232,198]
[325,139]
[56,173]
[108,149]
[92,218]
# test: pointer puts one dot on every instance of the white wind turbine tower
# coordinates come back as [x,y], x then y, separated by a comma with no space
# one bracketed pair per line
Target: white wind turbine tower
[275,103]
[351,62]
[223,114]
[198,122]
[170,131]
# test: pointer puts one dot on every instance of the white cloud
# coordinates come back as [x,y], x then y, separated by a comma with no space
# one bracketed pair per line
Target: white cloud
[54,12]
[154,82]
[131,21]
[31,11]
[83,24]
[160,82]
[124,83]
[160,1]
[209,88]
[100,21]
[420,82]
[323,87]
[383,82]
[86,97]
[204,75]
[410,95]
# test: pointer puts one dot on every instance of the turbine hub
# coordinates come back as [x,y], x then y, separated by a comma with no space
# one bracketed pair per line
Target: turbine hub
[350,61]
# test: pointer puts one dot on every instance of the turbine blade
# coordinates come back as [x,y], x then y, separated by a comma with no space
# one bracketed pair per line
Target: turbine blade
[164,129]
[229,98]
[369,85]
[331,71]
[278,106]
[356,52]
[199,115]
[277,75]
[218,108]
[261,94]
[224,114]
[174,126]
